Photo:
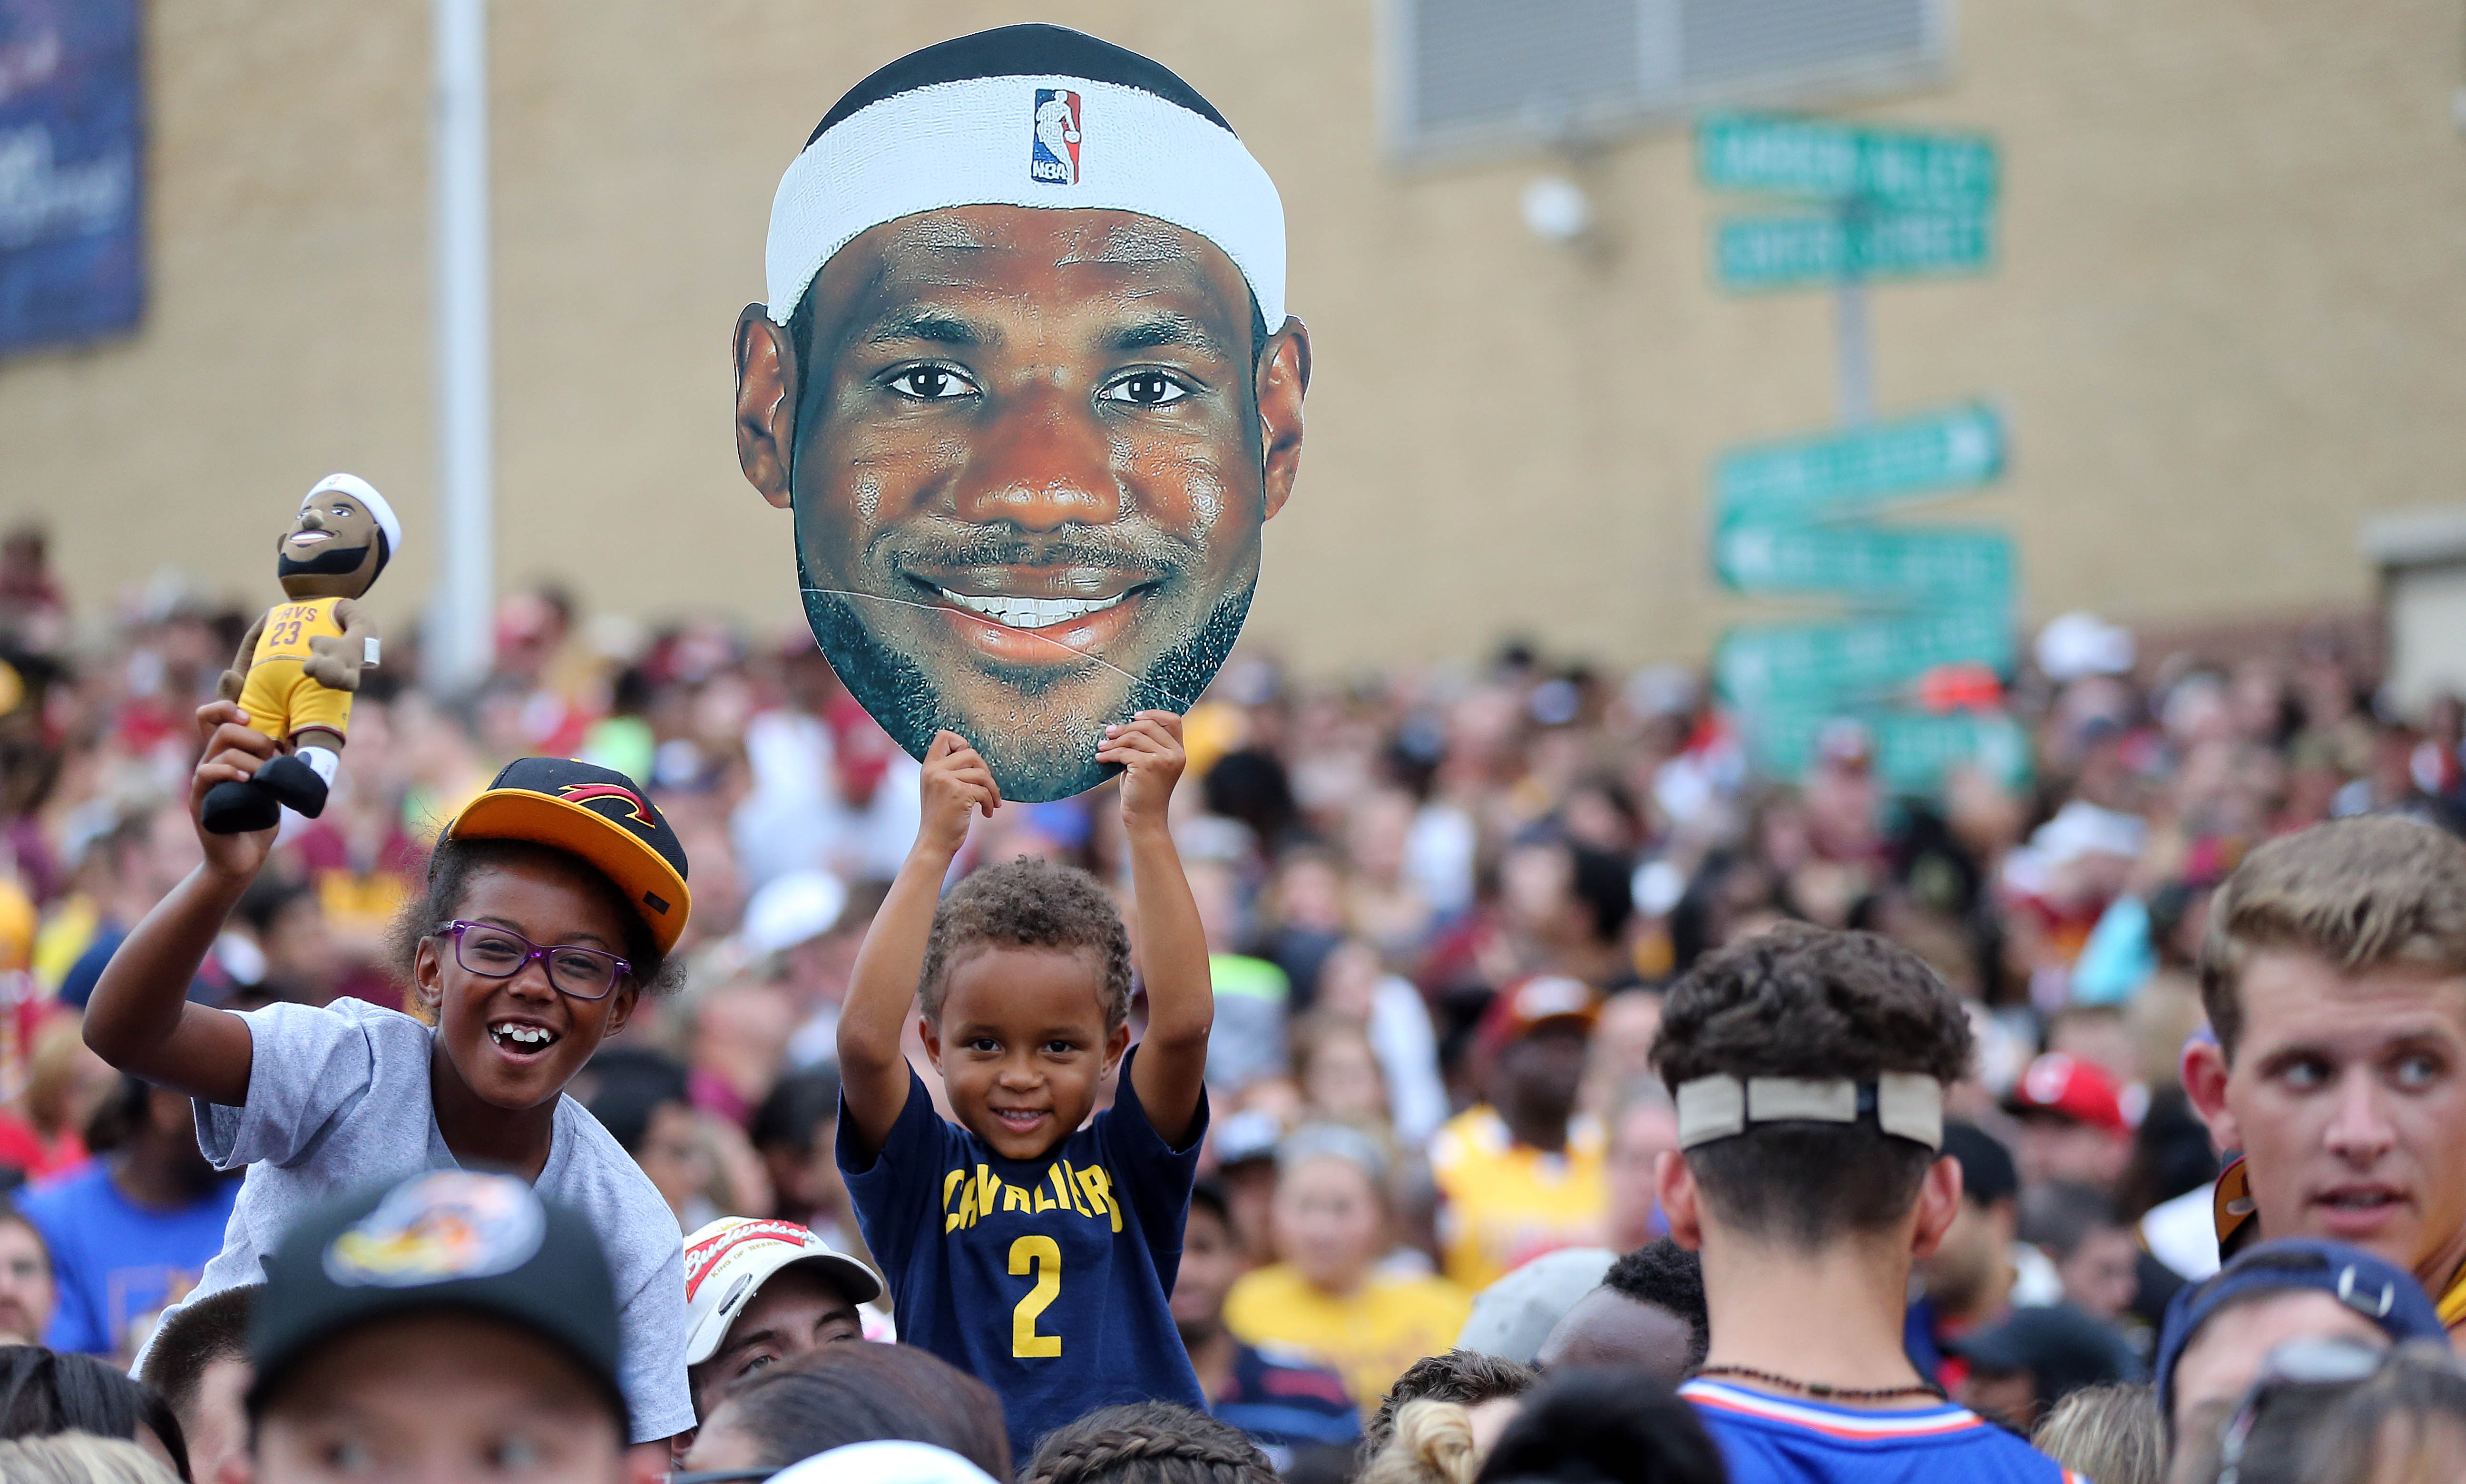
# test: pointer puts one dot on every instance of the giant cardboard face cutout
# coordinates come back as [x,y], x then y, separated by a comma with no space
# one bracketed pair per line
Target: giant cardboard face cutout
[1027,383]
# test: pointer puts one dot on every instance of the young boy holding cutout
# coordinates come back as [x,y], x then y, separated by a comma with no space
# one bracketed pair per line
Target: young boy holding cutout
[1026,1243]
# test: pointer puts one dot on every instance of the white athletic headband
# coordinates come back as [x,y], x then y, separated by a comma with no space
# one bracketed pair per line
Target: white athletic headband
[1906,1105]
[367,494]
[1033,115]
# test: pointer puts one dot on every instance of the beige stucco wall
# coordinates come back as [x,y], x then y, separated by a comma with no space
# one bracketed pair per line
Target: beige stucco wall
[2226,321]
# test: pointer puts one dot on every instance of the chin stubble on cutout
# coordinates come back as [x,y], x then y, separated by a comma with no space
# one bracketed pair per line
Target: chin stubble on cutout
[1030,765]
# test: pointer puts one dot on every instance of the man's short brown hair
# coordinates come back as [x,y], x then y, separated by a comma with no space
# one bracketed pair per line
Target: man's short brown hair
[2358,894]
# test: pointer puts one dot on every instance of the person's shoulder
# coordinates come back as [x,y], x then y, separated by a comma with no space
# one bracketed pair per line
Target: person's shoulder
[1275,1284]
[57,1195]
[1476,1131]
[1283,1373]
[1423,1292]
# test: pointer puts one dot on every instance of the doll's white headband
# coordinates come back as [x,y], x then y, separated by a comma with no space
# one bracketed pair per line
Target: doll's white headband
[1035,141]
[367,494]
[1907,1105]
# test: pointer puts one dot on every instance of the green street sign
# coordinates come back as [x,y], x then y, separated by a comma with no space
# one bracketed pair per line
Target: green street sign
[1837,474]
[1778,154]
[1819,665]
[1915,750]
[1863,560]
[1756,254]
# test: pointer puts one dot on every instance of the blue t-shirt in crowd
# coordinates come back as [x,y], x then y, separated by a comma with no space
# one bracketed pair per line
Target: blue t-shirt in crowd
[1044,1278]
[1285,1402]
[116,1263]
[1777,1440]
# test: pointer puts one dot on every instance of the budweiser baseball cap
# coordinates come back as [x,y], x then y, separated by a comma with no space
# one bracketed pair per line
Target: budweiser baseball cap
[727,1261]
[2068,1086]
[1528,1005]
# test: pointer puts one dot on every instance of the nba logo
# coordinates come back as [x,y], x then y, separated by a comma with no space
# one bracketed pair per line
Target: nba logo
[1054,158]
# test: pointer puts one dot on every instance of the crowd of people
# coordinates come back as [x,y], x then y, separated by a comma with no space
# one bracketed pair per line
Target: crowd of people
[1510,963]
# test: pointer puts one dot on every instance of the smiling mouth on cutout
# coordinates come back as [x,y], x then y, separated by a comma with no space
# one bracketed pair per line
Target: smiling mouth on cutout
[310,537]
[1036,616]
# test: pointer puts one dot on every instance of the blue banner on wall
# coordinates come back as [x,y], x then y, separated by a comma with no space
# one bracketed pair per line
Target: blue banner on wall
[72,251]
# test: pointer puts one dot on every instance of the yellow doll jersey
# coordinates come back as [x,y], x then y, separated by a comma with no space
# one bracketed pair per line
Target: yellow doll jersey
[282,701]
[1503,1204]
[290,626]
[1368,1337]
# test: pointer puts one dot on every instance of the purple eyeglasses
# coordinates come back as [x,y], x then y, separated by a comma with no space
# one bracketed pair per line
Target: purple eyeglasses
[501,953]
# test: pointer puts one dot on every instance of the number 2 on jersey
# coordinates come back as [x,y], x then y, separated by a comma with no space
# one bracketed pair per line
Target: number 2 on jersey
[1045,1254]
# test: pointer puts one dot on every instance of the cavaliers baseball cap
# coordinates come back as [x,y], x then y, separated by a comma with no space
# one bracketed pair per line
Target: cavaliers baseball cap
[2068,1086]
[470,1241]
[1528,1005]
[598,814]
[727,1261]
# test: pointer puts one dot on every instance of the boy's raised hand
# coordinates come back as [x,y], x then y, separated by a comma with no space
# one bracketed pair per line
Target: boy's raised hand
[1149,749]
[233,753]
[955,782]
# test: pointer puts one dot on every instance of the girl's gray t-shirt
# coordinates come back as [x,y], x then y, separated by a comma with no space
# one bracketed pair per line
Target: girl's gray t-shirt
[338,1100]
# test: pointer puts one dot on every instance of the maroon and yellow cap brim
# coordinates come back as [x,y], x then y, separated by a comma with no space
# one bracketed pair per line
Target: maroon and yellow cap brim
[654,887]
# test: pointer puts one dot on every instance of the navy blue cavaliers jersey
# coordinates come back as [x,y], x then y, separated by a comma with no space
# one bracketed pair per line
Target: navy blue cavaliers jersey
[1776,1440]
[1046,1278]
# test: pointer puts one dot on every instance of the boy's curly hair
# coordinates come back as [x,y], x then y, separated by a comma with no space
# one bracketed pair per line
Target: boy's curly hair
[1148,1442]
[1807,1001]
[1029,903]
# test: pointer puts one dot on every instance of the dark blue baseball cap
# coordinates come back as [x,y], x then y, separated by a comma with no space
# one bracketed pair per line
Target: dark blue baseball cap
[2378,1290]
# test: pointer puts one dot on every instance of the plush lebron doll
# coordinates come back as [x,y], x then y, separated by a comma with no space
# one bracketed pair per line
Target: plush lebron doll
[299,665]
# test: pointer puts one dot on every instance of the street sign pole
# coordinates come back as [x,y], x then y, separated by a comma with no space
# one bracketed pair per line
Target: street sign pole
[1853,353]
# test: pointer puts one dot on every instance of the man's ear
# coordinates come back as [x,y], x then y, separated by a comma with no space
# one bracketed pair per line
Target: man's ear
[1939,1207]
[766,403]
[2204,1083]
[1673,1186]
[1282,375]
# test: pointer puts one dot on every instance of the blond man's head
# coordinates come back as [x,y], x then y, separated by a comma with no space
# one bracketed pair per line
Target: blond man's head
[2335,978]
[2355,893]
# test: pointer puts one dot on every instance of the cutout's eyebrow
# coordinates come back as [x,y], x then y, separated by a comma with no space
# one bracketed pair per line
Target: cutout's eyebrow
[937,326]
[1153,330]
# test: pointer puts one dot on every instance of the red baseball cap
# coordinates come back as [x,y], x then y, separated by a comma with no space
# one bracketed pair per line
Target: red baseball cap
[2070,1088]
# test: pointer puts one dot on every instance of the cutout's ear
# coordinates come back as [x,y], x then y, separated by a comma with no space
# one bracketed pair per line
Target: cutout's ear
[1281,376]
[766,403]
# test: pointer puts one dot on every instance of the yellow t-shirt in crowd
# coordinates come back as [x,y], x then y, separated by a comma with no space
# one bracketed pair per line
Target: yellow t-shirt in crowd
[1368,1337]
[1502,1203]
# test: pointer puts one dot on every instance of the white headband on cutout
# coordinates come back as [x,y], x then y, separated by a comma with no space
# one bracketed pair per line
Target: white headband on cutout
[367,494]
[981,142]
[1907,1105]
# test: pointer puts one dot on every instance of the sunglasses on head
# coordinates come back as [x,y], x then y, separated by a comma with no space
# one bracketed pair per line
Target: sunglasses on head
[2300,1363]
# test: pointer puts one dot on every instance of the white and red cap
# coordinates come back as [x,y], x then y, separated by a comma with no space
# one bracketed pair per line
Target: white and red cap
[2068,1086]
[727,1261]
